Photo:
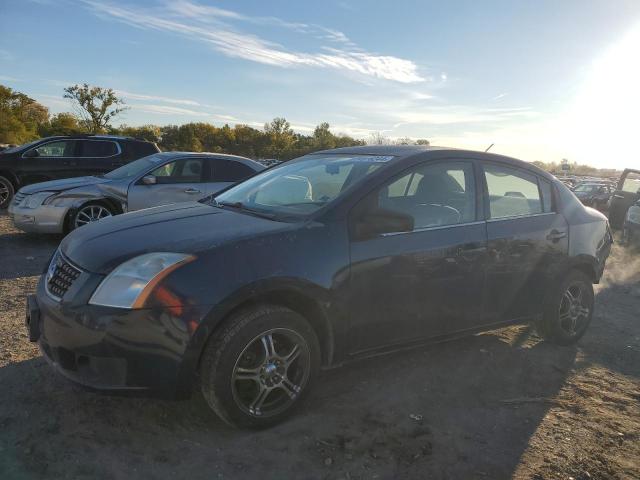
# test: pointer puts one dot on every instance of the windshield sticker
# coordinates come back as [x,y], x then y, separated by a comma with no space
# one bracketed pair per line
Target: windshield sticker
[371,159]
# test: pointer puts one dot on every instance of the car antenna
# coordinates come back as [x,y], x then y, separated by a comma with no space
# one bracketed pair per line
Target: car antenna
[489,147]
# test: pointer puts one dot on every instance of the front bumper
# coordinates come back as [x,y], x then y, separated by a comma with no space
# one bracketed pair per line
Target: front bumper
[115,349]
[42,219]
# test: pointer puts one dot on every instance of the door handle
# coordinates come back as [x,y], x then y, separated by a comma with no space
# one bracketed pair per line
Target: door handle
[617,195]
[192,190]
[556,235]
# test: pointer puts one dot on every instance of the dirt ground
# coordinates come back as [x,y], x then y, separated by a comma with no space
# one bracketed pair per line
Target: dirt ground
[497,405]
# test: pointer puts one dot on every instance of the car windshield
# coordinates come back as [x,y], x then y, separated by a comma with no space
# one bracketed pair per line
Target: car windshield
[302,186]
[135,168]
[20,147]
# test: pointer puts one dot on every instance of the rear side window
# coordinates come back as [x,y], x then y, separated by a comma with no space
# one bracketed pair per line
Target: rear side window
[98,148]
[185,170]
[229,170]
[512,193]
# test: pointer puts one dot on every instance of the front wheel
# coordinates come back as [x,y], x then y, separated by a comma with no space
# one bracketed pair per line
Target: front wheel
[259,366]
[89,213]
[568,310]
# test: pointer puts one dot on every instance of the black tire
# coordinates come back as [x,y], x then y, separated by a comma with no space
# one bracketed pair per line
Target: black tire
[75,218]
[241,340]
[6,192]
[565,322]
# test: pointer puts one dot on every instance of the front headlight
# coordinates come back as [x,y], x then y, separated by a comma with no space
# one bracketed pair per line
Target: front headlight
[130,284]
[633,214]
[37,199]
[57,201]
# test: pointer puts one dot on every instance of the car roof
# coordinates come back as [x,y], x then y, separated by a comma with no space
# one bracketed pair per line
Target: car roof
[405,151]
[98,137]
[226,156]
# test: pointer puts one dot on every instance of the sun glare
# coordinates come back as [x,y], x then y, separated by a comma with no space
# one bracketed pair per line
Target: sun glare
[602,126]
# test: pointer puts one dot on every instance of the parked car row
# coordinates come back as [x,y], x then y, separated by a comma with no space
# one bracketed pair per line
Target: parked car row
[63,157]
[333,256]
[60,206]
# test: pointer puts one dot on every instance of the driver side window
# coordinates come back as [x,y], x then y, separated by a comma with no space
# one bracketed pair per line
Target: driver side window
[185,170]
[434,195]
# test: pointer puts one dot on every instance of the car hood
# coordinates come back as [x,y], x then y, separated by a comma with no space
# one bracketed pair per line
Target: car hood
[182,228]
[62,185]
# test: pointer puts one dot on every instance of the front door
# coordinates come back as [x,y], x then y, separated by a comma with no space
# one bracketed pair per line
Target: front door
[49,161]
[527,241]
[627,193]
[408,286]
[181,180]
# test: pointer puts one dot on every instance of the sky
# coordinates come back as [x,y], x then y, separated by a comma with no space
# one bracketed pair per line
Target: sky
[542,80]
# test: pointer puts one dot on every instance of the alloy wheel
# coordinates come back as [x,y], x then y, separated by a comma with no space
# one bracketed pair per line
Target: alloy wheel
[4,193]
[270,373]
[89,214]
[574,309]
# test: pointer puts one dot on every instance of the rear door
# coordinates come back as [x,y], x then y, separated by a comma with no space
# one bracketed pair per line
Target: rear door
[50,161]
[527,240]
[181,180]
[225,172]
[98,156]
[627,193]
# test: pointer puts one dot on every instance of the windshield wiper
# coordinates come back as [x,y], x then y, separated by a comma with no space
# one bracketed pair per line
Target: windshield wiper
[242,207]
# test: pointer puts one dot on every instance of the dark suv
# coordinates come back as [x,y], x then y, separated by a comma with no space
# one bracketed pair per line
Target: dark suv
[333,256]
[52,158]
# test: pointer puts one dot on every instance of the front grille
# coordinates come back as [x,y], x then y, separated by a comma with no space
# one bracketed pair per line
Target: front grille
[18,197]
[60,276]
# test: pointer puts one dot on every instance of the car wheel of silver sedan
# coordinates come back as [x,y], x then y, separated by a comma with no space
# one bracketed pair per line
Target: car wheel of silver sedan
[92,212]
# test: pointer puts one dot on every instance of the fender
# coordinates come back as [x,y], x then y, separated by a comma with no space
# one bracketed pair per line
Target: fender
[317,297]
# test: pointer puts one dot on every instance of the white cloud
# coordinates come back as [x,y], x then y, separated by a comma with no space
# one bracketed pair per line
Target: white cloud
[167,110]
[208,24]
[139,96]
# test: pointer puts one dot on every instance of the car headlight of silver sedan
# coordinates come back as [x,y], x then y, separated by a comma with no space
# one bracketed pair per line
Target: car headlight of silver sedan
[130,284]
[633,214]
[36,199]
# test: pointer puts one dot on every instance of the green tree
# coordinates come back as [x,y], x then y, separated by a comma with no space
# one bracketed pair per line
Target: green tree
[61,124]
[96,106]
[20,116]
[151,133]
[281,137]
[323,138]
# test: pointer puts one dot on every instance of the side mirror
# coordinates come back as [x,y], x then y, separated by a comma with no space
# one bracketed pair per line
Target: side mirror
[149,180]
[32,154]
[380,220]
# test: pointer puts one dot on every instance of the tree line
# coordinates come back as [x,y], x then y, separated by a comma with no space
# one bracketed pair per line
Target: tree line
[23,119]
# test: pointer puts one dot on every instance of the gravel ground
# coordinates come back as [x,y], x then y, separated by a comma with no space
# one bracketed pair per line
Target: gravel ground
[498,405]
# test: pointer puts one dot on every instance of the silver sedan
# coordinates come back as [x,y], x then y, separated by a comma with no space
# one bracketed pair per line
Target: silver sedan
[63,205]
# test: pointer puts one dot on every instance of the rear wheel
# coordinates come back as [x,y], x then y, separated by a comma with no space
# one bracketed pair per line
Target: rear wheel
[259,366]
[89,213]
[568,310]
[6,192]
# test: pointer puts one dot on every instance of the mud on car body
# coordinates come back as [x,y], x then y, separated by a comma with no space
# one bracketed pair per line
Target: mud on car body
[336,255]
